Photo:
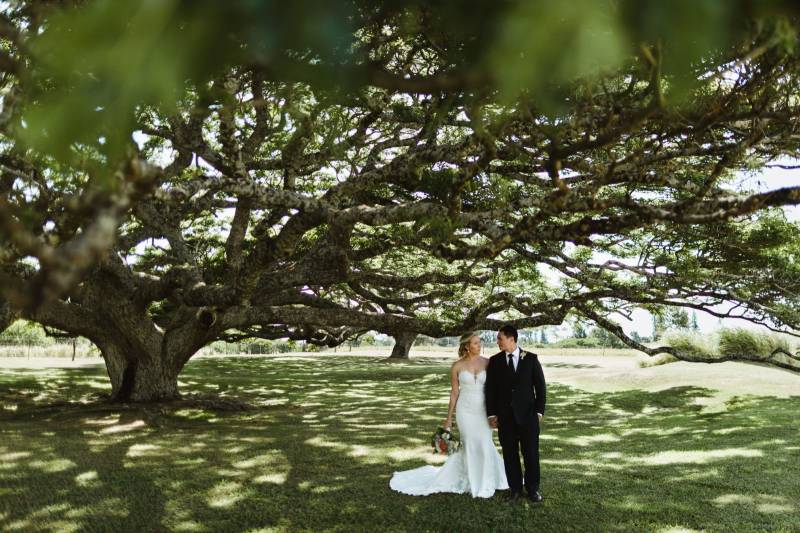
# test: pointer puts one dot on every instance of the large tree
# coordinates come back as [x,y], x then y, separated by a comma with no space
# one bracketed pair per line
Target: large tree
[410,171]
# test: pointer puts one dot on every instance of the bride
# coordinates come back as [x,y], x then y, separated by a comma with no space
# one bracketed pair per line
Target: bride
[476,468]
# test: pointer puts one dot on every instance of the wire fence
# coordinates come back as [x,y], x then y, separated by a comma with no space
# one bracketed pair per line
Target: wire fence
[49,347]
[81,348]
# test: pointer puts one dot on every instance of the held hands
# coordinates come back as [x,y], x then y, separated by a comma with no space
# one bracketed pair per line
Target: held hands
[494,425]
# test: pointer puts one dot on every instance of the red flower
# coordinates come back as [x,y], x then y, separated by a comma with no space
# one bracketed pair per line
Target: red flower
[442,445]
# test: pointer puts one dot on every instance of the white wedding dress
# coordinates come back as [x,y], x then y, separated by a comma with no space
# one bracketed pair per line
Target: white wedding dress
[476,468]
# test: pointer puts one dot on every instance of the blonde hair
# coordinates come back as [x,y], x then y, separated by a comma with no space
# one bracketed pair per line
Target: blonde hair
[463,344]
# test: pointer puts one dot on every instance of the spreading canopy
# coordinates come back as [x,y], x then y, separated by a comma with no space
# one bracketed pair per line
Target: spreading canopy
[401,169]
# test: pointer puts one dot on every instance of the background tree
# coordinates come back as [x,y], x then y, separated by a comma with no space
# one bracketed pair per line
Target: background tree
[578,330]
[543,336]
[396,167]
[658,329]
[666,318]
[606,339]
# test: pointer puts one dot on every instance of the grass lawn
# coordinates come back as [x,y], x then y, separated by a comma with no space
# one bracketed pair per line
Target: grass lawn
[316,451]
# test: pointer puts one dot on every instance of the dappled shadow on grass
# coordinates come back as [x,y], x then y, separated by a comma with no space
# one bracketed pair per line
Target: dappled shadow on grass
[637,401]
[21,388]
[325,434]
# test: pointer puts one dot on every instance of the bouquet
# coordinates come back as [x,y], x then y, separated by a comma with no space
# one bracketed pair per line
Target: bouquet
[443,441]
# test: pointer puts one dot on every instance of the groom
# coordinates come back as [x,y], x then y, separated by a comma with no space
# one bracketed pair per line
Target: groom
[515,398]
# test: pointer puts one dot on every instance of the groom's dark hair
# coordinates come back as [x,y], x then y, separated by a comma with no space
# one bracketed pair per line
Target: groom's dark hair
[509,331]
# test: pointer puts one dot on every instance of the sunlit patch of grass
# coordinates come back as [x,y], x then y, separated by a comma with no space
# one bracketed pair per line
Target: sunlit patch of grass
[698,457]
[145,450]
[324,434]
[763,503]
[87,479]
[123,428]
[278,478]
[225,494]
[52,466]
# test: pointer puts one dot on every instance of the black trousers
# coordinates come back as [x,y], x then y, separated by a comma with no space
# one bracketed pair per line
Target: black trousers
[515,437]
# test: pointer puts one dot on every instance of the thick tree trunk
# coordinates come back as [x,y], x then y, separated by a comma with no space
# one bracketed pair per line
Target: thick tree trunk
[402,344]
[139,377]
[143,359]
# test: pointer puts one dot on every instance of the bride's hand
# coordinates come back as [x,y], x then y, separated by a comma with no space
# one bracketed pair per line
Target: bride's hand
[447,425]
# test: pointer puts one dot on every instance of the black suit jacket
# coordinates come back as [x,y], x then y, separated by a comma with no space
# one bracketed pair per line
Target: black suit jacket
[520,394]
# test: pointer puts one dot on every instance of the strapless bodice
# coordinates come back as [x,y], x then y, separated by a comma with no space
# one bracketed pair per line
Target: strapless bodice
[469,382]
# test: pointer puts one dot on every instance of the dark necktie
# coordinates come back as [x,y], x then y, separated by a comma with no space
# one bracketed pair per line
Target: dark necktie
[511,361]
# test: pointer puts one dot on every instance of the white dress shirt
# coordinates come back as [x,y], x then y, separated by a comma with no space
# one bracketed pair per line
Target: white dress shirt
[515,359]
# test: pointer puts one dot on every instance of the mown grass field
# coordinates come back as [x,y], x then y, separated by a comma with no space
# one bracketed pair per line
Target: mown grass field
[322,436]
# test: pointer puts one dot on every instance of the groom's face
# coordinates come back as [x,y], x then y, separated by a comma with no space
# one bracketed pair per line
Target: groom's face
[505,343]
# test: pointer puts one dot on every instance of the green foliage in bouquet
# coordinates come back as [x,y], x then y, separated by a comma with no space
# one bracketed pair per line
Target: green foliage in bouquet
[445,442]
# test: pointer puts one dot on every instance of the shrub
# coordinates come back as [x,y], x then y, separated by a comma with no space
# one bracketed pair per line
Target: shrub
[691,343]
[588,342]
[257,346]
[285,346]
[24,332]
[658,360]
[741,341]
[684,341]
[606,339]
[775,342]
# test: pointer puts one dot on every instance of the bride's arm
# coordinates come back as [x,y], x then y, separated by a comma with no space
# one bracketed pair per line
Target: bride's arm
[490,391]
[448,423]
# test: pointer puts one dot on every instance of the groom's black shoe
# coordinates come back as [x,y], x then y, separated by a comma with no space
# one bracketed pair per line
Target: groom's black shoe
[535,497]
[513,497]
